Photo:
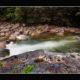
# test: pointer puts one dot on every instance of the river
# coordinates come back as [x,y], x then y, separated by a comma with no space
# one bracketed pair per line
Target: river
[47,41]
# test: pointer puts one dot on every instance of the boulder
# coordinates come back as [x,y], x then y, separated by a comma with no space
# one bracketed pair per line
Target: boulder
[43,62]
[3,38]
[26,32]
[2,34]
[21,30]
[34,35]
[61,30]
[2,45]
[12,38]
[60,34]
[7,34]
[17,24]
[4,52]
[5,30]
[46,27]
[23,24]
[16,33]
[52,31]
[77,31]
[8,41]
[22,37]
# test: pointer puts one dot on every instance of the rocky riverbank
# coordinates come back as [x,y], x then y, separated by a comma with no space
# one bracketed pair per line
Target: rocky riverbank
[43,62]
[12,32]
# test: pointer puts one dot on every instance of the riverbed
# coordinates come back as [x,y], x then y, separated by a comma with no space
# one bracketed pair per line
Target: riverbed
[48,41]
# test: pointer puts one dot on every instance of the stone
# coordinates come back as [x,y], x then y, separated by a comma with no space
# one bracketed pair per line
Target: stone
[7,34]
[21,30]
[52,31]
[2,34]
[46,27]
[60,34]
[3,38]
[23,24]
[14,27]
[17,24]
[72,38]
[17,33]
[8,41]
[2,45]
[72,30]
[26,32]
[12,38]
[5,30]
[61,30]
[4,52]
[35,58]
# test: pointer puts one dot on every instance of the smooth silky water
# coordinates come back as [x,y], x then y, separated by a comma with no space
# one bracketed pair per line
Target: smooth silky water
[47,41]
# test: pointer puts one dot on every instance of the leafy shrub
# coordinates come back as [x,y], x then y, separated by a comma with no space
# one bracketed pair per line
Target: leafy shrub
[27,69]
[14,69]
[1,65]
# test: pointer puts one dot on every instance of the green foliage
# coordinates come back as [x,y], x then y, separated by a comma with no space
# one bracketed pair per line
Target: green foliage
[78,13]
[27,69]
[1,65]
[43,28]
[60,16]
[14,69]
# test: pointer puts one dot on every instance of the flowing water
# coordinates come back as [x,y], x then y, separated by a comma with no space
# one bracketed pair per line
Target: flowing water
[47,41]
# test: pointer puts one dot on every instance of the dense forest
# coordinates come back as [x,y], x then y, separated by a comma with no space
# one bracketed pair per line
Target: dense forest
[60,16]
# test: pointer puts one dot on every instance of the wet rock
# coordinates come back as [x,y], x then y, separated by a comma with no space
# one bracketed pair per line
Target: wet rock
[3,38]
[8,41]
[60,34]
[61,30]
[4,52]
[72,30]
[14,27]
[52,31]
[21,30]
[2,45]
[17,33]
[66,65]
[5,30]
[2,34]
[17,24]
[46,27]
[72,38]
[7,34]
[34,35]
[22,37]
[23,24]
[26,32]
[68,29]
[12,38]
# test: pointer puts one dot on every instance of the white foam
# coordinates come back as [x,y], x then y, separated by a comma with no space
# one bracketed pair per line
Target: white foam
[18,49]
